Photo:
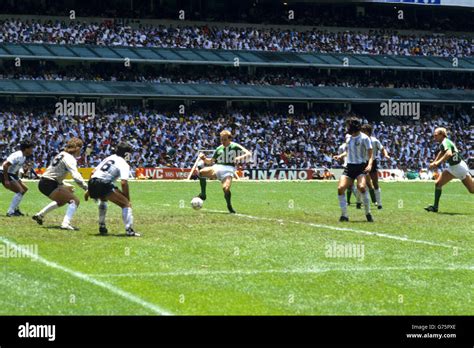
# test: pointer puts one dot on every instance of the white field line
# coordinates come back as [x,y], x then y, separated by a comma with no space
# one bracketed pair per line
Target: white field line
[346,229]
[281,271]
[264,181]
[87,278]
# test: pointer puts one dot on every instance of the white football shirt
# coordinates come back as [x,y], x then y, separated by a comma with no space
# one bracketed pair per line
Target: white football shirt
[61,165]
[17,161]
[357,148]
[377,147]
[111,169]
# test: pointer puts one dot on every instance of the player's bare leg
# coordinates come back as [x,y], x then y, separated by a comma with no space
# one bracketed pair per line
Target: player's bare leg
[345,183]
[469,183]
[226,184]
[19,189]
[61,196]
[204,174]
[362,188]
[443,179]
[119,199]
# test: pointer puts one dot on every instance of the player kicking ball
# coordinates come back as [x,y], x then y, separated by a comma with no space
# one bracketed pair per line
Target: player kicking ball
[10,179]
[359,162]
[373,176]
[101,186]
[223,166]
[52,186]
[457,169]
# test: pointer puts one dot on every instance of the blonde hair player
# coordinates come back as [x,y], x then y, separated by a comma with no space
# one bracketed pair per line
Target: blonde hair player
[457,168]
[52,186]
[223,166]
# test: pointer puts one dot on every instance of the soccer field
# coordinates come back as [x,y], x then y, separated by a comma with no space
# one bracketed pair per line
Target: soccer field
[276,257]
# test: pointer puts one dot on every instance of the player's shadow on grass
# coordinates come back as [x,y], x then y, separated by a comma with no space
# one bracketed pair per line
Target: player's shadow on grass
[56,227]
[453,214]
[108,235]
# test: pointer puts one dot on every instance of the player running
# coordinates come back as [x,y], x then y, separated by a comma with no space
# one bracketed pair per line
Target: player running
[457,168]
[373,176]
[10,179]
[359,162]
[101,186]
[52,186]
[223,166]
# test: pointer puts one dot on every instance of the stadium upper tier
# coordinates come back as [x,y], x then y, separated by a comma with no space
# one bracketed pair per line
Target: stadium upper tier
[108,33]
[151,55]
[99,89]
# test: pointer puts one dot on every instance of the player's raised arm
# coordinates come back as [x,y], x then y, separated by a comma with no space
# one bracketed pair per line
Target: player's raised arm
[246,154]
[207,161]
[385,152]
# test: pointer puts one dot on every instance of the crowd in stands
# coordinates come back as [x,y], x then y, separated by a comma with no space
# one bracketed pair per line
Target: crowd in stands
[432,18]
[277,140]
[262,77]
[232,38]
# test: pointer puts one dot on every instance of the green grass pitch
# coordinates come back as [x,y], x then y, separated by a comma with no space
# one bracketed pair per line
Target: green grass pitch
[271,259]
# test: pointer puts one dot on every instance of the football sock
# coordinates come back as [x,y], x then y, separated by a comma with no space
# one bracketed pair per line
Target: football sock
[343,204]
[372,195]
[15,202]
[127,218]
[378,196]
[227,196]
[366,198]
[50,207]
[203,183]
[102,212]
[71,209]
[438,192]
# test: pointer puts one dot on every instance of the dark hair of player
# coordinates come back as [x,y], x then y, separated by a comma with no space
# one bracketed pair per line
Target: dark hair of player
[26,144]
[353,125]
[123,148]
[367,129]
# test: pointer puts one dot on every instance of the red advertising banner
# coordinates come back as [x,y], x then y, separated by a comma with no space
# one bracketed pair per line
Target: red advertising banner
[162,173]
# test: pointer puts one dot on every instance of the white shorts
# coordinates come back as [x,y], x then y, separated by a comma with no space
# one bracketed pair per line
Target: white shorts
[459,171]
[223,171]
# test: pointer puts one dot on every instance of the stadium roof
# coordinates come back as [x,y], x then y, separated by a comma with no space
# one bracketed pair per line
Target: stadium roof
[228,57]
[228,92]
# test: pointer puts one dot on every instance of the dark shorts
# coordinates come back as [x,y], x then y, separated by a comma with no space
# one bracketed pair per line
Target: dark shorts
[354,170]
[47,186]
[99,189]
[12,177]
[375,167]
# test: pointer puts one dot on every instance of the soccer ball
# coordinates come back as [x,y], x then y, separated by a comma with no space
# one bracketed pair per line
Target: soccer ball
[197,203]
